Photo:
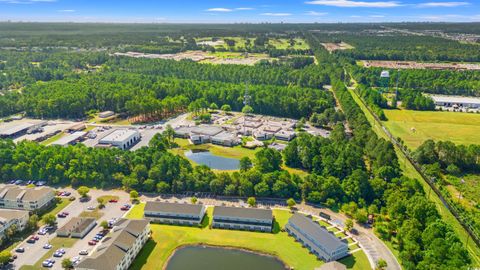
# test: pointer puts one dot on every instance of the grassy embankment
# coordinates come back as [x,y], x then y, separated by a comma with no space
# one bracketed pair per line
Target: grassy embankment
[166,238]
[410,171]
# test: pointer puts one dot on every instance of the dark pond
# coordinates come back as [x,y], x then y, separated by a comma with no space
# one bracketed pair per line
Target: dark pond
[204,157]
[213,258]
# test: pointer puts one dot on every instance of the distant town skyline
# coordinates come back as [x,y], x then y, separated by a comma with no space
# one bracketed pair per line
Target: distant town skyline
[240,11]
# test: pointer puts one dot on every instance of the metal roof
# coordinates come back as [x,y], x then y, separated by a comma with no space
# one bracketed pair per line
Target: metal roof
[69,138]
[321,235]
[15,129]
[119,135]
[246,213]
[179,208]
[455,99]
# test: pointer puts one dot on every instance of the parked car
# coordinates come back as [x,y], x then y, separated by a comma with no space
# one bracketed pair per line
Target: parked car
[61,215]
[113,201]
[36,237]
[31,240]
[47,246]
[72,198]
[92,243]
[20,250]
[57,254]
[61,251]
[48,263]
[42,232]
[91,208]
[83,252]
[67,193]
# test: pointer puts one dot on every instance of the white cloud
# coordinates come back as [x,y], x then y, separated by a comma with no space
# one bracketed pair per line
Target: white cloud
[244,8]
[444,4]
[352,3]
[315,13]
[278,14]
[66,10]
[220,10]
[377,16]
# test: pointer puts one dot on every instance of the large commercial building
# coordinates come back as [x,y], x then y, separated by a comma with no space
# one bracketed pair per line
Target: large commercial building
[456,102]
[118,249]
[206,134]
[77,227]
[174,213]
[25,198]
[317,239]
[9,218]
[20,129]
[121,138]
[238,218]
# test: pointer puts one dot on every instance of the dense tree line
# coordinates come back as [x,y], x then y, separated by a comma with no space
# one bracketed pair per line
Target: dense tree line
[415,100]
[450,157]
[374,99]
[153,95]
[446,82]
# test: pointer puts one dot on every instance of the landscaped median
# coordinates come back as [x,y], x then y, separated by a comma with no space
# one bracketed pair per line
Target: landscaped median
[166,239]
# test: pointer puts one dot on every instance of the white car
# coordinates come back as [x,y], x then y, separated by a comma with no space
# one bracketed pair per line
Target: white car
[47,246]
[91,208]
[83,252]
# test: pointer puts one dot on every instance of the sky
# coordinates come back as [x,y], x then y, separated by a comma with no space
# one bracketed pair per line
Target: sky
[239,11]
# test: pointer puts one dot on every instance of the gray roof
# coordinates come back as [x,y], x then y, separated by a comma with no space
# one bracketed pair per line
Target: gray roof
[114,247]
[179,208]
[7,215]
[15,129]
[455,99]
[13,192]
[248,213]
[77,224]
[69,138]
[317,232]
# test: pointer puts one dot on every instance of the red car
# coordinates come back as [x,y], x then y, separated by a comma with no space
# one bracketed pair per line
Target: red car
[124,208]
[36,237]
[92,243]
[113,201]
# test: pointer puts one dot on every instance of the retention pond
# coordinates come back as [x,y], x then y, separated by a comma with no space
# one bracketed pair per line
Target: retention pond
[204,157]
[216,258]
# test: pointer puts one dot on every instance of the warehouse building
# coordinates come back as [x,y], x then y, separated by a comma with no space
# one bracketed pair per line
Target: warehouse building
[237,218]
[456,102]
[174,213]
[9,218]
[118,250]
[70,139]
[24,198]
[20,129]
[121,138]
[106,114]
[322,243]
[77,227]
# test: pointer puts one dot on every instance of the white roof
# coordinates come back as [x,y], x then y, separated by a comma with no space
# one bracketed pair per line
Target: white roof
[455,99]
[17,128]
[69,138]
[119,135]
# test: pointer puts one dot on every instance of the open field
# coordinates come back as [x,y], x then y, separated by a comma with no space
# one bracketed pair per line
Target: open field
[414,127]
[240,43]
[168,238]
[331,47]
[409,171]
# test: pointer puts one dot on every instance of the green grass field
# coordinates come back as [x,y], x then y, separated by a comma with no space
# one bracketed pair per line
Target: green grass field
[279,43]
[409,171]
[460,128]
[165,239]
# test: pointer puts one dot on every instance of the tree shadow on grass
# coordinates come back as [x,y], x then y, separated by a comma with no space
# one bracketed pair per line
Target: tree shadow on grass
[142,257]
[205,221]
[276,227]
[348,261]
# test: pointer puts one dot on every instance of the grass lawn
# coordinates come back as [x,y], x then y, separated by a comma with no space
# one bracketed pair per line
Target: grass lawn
[353,247]
[96,214]
[409,171]
[283,43]
[357,261]
[107,198]
[340,235]
[53,138]
[460,128]
[56,243]
[166,238]
[324,223]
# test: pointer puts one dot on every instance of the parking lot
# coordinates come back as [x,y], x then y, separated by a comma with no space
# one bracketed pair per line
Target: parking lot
[34,252]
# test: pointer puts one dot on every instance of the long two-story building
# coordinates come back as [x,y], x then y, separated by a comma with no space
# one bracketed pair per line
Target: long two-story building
[238,218]
[118,249]
[25,198]
[9,218]
[317,239]
[174,213]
